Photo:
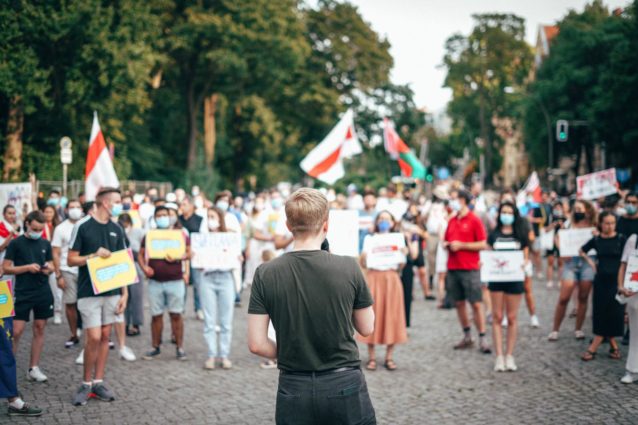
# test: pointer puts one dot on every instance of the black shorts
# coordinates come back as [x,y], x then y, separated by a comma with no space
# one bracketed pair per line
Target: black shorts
[41,302]
[511,288]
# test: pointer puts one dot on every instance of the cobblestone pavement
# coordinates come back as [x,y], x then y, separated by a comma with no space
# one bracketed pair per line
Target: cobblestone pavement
[433,384]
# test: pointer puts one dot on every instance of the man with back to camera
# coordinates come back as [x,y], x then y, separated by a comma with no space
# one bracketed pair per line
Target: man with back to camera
[315,300]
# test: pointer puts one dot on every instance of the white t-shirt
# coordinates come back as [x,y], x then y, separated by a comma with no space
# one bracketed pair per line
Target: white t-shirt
[62,240]
[282,230]
[630,246]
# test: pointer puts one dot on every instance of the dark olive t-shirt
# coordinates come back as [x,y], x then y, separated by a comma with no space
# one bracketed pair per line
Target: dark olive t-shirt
[310,297]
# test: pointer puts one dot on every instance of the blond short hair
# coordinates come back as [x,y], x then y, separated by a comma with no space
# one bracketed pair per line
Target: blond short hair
[306,211]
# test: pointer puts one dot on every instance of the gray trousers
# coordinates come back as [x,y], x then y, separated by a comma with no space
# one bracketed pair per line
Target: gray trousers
[134,313]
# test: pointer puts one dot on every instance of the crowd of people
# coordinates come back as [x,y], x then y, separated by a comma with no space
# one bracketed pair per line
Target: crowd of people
[45,253]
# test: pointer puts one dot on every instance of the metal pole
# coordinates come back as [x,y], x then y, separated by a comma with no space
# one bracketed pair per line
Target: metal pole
[64,183]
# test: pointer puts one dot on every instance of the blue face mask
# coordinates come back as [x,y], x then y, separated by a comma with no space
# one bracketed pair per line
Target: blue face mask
[631,209]
[116,210]
[222,205]
[163,222]
[53,201]
[507,219]
[384,226]
[276,203]
[455,205]
[35,235]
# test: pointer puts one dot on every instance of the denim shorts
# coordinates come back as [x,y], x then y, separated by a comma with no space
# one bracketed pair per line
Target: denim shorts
[166,295]
[577,270]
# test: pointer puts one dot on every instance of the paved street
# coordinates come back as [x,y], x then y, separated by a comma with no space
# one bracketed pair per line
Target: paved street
[433,384]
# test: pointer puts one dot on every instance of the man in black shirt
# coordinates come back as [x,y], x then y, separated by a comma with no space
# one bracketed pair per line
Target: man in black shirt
[315,301]
[29,258]
[628,224]
[97,236]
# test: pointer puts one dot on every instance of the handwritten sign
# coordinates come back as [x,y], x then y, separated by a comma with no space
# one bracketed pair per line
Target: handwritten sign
[216,251]
[343,232]
[502,266]
[631,275]
[114,272]
[6,299]
[384,250]
[571,240]
[596,185]
[17,194]
[162,243]
[547,240]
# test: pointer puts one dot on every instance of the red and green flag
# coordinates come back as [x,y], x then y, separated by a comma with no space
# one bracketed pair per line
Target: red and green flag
[399,151]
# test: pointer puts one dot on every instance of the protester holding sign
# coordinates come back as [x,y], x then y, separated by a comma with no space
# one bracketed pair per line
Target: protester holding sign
[386,289]
[29,258]
[166,286]
[577,273]
[630,254]
[608,315]
[97,236]
[506,296]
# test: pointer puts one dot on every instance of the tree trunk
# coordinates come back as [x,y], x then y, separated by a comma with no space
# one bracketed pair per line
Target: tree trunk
[486,140]
[13,152]
[191,117]
[210,136]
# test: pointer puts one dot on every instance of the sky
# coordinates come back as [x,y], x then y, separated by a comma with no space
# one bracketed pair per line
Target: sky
[417,30]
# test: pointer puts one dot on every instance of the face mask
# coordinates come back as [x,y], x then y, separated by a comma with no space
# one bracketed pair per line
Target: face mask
[162,222]
[35,235]
[172,220]
[557,213]
[631,209]
[213,224]
[75,213]
[116,210]
[126,206]
[222,205]
[259,207]
[276,203]
[579,216]
[507,219]
[53,201]
[384,226]
[455,205]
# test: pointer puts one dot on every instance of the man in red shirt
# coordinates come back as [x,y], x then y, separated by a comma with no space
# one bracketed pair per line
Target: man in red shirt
[464,238]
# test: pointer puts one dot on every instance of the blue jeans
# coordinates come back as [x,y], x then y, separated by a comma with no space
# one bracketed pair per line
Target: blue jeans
[217,296]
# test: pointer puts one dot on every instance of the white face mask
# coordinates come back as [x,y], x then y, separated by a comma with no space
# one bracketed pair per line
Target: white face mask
[213,224]
[75,213]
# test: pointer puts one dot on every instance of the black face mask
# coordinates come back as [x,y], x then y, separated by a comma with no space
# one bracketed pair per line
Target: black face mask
[579,216]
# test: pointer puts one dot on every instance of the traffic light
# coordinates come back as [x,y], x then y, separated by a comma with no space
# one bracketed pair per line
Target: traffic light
[428,175]
[562,130]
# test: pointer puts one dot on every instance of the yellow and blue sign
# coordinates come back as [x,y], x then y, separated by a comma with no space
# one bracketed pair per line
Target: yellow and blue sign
[114,272]
[163,243]
[6,299]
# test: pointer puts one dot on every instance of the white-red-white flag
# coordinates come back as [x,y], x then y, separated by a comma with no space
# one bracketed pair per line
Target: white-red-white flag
[532,187]
[99,167]
[324,162]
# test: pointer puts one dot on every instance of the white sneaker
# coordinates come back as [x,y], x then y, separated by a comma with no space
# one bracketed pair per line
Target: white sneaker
[127,354]
[579,335]
[499,364]
[553,336]
[504,322]
[200,315]
[79,333]
[534,322]
[57,319]
[510,364]
[80,358]
[628,378]
[35,374]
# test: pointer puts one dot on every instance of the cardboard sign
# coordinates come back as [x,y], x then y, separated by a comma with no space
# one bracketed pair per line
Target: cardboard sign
[547,240]
[384,251]
[216,251]
[162,243]
[596,185]
[343,232]
[631,275]
[6,299]
[502,266]
[571,240]
[17,194]
[114,272]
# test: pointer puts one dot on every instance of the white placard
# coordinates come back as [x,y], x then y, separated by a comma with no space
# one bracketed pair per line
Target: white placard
[17,194]
[571,240]
[595,185]
[547,240]
[631,275]
[384,250]
[216,251]
[502,266]
[343,232]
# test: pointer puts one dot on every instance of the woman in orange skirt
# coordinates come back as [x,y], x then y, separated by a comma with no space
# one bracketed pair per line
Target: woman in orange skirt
[387,291]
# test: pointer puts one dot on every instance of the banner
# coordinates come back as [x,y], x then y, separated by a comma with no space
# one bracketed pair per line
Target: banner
[6,299]
[571,240]
[547,240]
[20,195]
[114,272]
[631,275]
[162,243]
[384,251]
[343,232]
[216,251]
[502,266]
[596,185]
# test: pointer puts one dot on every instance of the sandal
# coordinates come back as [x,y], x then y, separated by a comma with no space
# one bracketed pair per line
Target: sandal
[589,355]
[371,365]
[390,365]
[615,354]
